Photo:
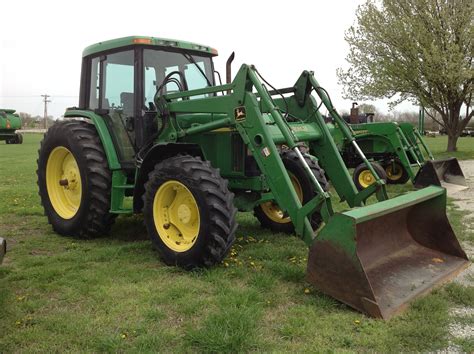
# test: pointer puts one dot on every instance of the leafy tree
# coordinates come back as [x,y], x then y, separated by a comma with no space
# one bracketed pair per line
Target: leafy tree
[27,120]
[367,108]
[416,50]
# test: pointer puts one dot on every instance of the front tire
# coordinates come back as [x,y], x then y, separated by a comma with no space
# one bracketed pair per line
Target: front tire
[396,173]
[74,180]
[269,213]
[189,212]
[18,139]
[363,178]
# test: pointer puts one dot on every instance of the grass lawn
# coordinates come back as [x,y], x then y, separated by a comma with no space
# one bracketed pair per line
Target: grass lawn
[438,147]
[114,294]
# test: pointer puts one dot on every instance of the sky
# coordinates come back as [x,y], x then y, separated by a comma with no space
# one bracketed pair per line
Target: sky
[41,42]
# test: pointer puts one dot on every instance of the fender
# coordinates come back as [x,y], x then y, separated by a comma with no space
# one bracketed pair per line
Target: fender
[156,154]
[102,130]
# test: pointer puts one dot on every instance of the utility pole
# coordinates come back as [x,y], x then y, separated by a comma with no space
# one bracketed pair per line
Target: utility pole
[46,101]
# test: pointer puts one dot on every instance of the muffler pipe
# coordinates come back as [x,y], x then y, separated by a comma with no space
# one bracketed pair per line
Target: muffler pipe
[228,70]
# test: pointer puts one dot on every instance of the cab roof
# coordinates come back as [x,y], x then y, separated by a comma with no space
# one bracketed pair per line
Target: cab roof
[144,40]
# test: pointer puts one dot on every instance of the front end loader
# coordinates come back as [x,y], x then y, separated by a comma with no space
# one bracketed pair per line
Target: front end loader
[152,125]
[9,123]
[400,154]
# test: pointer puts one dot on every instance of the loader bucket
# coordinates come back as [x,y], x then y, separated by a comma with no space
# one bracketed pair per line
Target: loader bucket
[439,173]
[378,258]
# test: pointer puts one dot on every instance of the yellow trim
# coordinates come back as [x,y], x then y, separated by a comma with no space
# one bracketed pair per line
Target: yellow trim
[366,178]
[273,211]
[398,171]
[176,216]
[223,130]
[63,182]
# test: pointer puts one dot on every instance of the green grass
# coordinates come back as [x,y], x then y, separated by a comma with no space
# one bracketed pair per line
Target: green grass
[465,147]
[114,294]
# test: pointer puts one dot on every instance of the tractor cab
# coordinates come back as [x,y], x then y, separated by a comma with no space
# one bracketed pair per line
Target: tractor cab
[120,78]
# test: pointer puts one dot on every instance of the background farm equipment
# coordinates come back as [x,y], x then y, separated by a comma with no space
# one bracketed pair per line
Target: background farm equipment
[152,124]
[9,123]
[399,154]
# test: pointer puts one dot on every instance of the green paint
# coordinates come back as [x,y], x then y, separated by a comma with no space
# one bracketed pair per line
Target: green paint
[153,41]
[118,176]
[9,123]
[390,140]
[245,121]
[103,132]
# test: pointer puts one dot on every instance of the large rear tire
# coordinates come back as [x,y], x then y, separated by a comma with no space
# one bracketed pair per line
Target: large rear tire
[74,180]
[271,216]
[189,212]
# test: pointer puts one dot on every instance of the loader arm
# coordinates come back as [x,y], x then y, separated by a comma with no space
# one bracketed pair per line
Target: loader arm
[375,258]
[254,116]
[395,139]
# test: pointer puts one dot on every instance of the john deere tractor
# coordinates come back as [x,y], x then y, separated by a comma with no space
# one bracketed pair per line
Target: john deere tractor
[9,123]
[398,152]
[152,125]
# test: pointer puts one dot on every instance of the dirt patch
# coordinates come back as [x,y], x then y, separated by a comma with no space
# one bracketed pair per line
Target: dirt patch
[39,252]
[462,311]
[464,199]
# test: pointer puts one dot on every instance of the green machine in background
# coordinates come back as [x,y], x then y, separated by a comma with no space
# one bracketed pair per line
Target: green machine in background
[153,125]
[399,154]
[9,123]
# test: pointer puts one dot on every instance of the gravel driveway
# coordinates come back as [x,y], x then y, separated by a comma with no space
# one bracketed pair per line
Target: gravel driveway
[464,199]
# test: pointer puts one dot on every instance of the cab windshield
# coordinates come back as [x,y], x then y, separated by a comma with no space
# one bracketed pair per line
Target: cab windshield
[158,64]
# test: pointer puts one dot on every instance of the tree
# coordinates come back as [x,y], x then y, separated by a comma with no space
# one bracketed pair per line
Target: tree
[416,50]
[27,120]
[367,108]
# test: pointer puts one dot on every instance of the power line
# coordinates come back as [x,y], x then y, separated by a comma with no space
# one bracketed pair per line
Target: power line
[46,101]
[34,96]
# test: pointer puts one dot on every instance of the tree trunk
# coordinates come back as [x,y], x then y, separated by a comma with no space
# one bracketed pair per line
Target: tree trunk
[452,141]
[454,126]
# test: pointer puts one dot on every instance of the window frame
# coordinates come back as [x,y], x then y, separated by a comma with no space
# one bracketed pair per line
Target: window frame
[139,77]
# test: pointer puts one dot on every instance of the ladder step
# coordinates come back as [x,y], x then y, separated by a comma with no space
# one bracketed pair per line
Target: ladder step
[125,186]
[122,211]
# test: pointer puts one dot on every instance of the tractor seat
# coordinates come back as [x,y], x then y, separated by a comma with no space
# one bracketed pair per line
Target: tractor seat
[126,100]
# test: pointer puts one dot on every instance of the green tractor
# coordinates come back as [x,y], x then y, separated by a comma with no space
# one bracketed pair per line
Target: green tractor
[398,152]
[152,125]
[9,123]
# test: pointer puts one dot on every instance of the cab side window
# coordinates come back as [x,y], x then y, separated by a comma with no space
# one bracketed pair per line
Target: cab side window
[119,82]
[94,89]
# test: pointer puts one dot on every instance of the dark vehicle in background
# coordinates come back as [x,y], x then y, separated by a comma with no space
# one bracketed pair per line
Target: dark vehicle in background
[3,248]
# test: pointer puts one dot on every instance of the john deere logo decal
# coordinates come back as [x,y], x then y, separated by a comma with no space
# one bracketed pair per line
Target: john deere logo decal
[239,114]
[8,124]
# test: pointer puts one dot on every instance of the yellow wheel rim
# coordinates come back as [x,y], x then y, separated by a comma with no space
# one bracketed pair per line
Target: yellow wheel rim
[366,178]
[63,182]
[176,216]
[273,211]
[394,172]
